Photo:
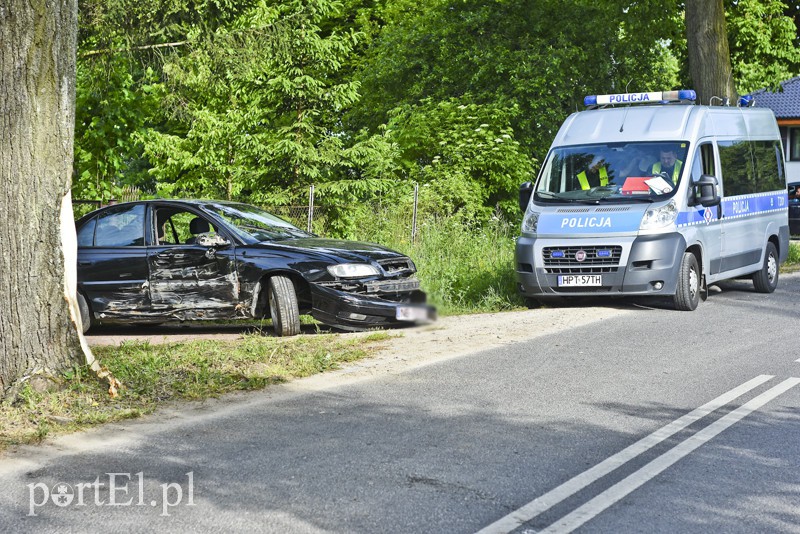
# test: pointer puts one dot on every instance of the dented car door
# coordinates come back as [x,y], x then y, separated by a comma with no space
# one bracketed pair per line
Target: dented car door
[191,280]
[112,262]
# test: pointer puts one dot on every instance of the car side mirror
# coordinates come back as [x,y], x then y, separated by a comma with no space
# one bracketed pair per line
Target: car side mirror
[707,191]
[525,191]
[212,241]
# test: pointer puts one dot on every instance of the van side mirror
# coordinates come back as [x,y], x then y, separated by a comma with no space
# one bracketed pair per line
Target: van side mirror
[707,191]
[525,191]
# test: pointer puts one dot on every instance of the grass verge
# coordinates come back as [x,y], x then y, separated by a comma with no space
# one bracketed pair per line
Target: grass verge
[156,374]
[464,267]
[793,261]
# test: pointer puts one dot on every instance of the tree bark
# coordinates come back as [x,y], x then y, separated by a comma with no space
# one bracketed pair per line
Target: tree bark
[709,54]
[39,335]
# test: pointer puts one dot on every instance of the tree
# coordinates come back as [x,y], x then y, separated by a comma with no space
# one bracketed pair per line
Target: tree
[122,47]
[709,53]
[763,42]
[256,107]
[463,153]
[540,57]
[39,319]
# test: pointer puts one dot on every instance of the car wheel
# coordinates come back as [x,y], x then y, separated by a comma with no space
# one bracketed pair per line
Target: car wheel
[283,308]
[86,316]
[687,293]
[765,280]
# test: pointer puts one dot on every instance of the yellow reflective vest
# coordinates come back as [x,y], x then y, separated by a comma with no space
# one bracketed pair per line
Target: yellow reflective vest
[584,181]
[676,171]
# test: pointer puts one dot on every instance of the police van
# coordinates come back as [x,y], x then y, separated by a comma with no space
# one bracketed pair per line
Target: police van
[655,200]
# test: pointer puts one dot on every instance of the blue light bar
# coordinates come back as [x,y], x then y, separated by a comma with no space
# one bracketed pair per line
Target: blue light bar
[746,101]
[640,98]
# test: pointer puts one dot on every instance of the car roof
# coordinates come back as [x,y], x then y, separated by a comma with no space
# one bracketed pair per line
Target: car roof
[168,201]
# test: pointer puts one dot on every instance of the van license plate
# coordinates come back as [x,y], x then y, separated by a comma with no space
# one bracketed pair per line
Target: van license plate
[580,280]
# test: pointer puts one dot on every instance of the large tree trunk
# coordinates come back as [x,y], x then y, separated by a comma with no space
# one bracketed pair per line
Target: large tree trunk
[709,54]
[39,335]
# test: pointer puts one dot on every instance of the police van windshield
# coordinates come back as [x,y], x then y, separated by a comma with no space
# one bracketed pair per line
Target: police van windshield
[621,172]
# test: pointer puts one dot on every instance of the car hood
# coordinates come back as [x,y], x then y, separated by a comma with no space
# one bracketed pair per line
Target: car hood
[339,250]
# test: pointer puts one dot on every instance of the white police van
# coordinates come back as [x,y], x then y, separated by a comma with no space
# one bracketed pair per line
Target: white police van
[657,199]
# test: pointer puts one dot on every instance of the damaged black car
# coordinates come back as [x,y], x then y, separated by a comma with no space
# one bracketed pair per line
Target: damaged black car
[156,261]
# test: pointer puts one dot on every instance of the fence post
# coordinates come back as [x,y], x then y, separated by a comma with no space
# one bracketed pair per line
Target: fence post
[414,217]
[310,207]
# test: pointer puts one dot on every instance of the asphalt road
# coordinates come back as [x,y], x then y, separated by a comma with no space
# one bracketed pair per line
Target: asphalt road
[648,420]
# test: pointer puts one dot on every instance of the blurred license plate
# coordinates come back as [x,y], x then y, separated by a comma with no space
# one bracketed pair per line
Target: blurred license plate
[579,280]
[411,313]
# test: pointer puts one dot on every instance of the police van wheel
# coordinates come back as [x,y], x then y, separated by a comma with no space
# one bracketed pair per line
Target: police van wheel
[765,280]
[687,294]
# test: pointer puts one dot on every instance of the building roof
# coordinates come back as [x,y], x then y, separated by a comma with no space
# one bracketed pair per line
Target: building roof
[785,105]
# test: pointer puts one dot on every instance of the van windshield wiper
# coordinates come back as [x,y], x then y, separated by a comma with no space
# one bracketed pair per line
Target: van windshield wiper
[633,198]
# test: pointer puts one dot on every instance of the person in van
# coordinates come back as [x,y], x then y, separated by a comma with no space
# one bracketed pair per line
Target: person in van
[668,164]
[595,175]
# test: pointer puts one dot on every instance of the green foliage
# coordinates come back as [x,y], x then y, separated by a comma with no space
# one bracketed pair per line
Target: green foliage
[467,268]
[111,107]
[122,46]
[260,103]
[763,40]
[763,49]
[464,154]
[793,261]
[464,267]
[538,58]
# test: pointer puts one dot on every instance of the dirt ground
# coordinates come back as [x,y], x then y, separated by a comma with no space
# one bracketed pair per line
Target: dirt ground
[409,347]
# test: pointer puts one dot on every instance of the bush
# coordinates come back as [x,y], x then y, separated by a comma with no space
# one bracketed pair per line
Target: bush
[464,267]
[794,255]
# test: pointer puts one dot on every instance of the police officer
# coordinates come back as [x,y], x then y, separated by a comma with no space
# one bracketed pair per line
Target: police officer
[598,170]
[668,164]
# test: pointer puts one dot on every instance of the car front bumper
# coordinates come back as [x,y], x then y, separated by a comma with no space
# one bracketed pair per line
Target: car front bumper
[356,311]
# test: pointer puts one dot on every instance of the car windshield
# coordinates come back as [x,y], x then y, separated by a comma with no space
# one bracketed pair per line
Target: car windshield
[251,223]
[620,172]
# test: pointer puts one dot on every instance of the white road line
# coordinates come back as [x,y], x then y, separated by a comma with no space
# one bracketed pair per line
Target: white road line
[574,485]
[581,515]
[797,360]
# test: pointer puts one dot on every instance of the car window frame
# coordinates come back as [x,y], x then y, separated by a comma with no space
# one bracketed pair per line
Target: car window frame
[190,208]
[110,211]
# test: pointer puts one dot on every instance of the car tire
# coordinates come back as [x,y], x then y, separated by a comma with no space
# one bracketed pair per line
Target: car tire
[765,279]
[687,292]
[283,308]
[86,316]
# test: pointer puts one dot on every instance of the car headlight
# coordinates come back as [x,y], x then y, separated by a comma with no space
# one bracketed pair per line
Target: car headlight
[353,270]
[659,217]
[531,221]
